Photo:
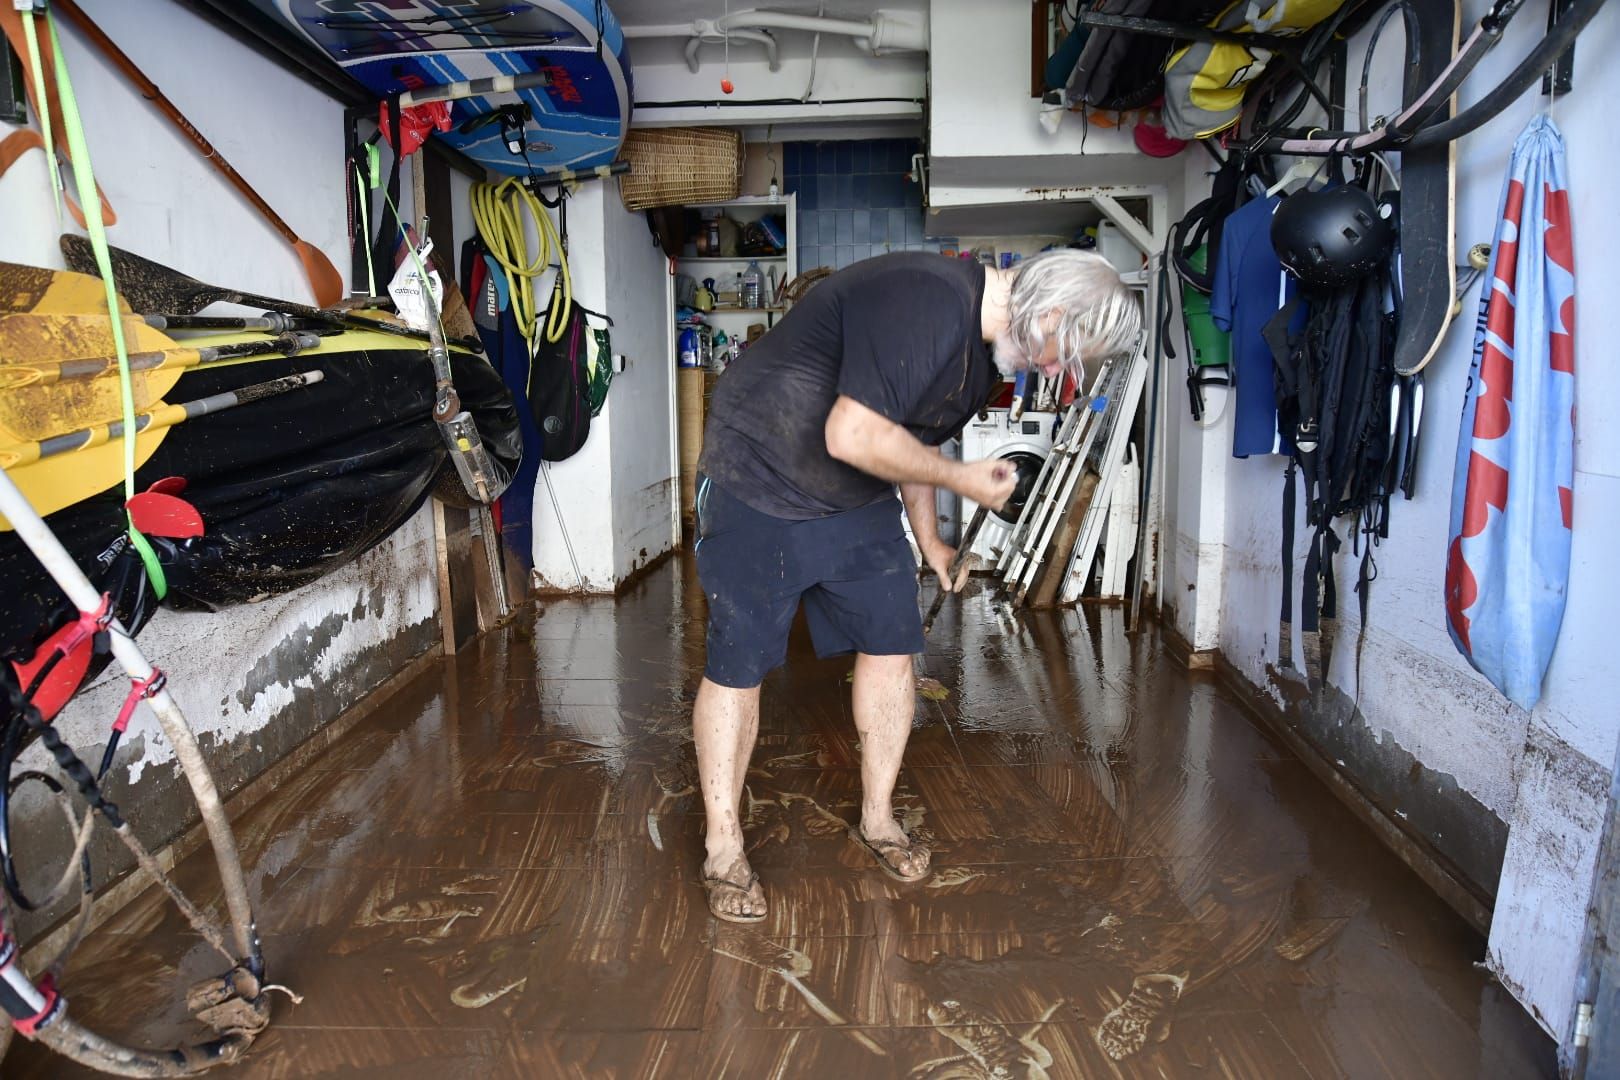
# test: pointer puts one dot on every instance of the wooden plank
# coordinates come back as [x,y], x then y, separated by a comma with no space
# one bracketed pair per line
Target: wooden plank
[441,561]
[1040,45]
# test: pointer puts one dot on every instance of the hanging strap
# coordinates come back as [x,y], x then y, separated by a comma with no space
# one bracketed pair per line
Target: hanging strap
[42,96]
[1285,621]
[84,177]
[1328,620]
[139,690]
[1310,612]
[389,225]
[1363,587]
[40,81]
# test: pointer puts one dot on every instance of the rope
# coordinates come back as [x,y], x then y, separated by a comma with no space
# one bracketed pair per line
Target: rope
[497,213]
[22,709]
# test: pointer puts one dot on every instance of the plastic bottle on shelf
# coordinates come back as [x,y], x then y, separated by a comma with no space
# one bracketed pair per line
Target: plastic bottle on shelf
[753,286]
[689,353]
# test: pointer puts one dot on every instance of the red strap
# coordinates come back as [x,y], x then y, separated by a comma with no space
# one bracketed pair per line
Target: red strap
[88,625]
[27,1026]
[138,690]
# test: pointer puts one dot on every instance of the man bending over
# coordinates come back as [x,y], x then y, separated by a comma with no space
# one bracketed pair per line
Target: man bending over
[808,436]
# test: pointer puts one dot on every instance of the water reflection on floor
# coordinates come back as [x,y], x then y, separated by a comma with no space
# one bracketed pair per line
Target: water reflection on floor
[497,875]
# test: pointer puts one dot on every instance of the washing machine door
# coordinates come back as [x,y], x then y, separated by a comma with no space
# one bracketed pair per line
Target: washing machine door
[1028,463]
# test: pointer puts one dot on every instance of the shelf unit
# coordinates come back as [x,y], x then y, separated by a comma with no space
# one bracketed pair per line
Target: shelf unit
[690,388]
[702,259]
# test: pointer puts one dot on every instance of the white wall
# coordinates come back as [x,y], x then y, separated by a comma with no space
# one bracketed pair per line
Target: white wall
[645,480]
[255,679]
[1481,762]
[615,493]
[984,127]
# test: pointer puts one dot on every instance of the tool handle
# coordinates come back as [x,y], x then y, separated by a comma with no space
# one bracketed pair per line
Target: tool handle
[149,89]
[962,551]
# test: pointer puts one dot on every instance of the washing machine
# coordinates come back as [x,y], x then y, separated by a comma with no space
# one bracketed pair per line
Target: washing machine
[1025,442]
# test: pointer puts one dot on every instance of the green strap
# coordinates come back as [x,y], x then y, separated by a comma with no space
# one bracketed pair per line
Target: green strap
[44,98]
[85,179]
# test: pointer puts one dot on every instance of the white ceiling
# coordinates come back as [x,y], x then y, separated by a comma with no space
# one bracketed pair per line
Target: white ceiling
[663,12]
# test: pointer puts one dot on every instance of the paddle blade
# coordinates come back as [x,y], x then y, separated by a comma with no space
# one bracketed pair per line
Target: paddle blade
[62,683]
[324,280]
[157,513]
[51,292]
[150,287]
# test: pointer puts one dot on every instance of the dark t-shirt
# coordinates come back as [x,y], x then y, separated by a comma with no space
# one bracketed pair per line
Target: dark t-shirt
[898,333]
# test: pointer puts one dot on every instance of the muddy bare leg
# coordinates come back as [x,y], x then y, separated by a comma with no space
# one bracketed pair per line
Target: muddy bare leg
[725,724]
[884,702]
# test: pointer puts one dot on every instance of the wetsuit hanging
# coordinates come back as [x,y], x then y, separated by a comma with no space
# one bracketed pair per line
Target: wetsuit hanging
[1332,385]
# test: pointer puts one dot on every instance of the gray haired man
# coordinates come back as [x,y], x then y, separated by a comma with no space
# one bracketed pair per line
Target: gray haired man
[808,437]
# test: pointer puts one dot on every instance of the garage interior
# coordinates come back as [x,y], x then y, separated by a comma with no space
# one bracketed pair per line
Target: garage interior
[402,779]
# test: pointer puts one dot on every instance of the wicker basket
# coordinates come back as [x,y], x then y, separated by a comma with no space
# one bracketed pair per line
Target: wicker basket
[680,166]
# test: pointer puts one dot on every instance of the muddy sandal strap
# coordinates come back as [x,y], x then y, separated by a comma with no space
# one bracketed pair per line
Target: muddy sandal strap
[880,850]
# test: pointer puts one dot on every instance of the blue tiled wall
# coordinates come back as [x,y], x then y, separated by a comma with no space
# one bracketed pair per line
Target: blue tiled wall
[855,200]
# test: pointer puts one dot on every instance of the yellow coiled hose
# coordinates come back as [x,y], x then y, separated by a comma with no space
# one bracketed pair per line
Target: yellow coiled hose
[497,213]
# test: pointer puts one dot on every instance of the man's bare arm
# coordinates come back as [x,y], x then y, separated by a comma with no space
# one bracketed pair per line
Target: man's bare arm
[858,436]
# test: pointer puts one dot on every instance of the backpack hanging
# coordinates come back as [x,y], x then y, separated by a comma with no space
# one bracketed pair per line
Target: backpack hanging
[559,387]
[1204,81]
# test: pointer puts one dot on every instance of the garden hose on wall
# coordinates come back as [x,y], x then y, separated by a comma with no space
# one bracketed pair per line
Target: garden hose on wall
[497,212]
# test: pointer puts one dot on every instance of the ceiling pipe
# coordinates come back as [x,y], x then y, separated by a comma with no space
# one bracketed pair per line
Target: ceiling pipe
[758,36]
[883,34]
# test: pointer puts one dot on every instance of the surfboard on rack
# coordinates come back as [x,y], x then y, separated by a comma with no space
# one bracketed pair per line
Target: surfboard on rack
[391,46]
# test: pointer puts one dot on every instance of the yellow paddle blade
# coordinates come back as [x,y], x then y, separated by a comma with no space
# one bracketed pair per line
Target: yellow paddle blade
[54,315]
[32,412]
[52,292]
[53,483]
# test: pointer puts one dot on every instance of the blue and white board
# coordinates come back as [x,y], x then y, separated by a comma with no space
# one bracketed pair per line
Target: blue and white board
[391,46]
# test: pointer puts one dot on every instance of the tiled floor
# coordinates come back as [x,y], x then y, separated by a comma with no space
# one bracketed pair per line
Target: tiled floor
[496,875]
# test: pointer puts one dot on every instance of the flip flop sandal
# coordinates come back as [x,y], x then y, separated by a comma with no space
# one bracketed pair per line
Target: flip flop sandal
[714,884]
[880,850]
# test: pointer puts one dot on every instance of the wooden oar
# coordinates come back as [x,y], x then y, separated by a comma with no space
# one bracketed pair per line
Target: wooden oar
[152,287]
[162,417]
[324,280]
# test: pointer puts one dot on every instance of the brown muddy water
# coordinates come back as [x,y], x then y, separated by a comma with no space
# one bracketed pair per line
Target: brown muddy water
[497,874]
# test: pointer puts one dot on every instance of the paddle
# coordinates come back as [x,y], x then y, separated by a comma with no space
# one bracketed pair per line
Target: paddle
[324,280]
[272,322]
[153,287]
[164,416]
[47,372]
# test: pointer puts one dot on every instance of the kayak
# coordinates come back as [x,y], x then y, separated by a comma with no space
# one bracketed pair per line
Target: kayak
[579,118]
[288,487]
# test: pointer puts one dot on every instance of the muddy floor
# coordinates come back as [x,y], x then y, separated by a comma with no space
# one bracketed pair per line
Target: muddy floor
[497,875]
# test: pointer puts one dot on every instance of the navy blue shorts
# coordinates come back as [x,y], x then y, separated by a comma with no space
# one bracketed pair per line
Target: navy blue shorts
[854,571]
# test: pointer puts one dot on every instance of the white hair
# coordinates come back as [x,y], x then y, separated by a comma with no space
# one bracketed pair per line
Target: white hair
[1098,317]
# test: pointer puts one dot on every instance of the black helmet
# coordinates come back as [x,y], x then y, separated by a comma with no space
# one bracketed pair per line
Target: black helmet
[1331,237]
